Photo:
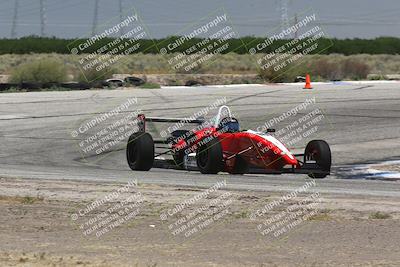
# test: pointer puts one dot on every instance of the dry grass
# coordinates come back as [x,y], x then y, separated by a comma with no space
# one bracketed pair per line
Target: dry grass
[44,71]
[379,215]
[19,199]
[228,63]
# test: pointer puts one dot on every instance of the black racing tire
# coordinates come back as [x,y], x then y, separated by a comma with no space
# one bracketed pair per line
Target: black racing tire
[51,85]
[31,86]
[241,166]
[134,81]
[209,157]
[7,86]
[140,152]
[193,83]
[319,151]
[76,86]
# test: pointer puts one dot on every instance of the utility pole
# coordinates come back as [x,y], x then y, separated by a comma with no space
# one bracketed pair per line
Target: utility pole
[15,19]
[42,17]
[95,17]
[295,23]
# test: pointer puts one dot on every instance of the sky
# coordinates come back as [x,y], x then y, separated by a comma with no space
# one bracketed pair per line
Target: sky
[74,18]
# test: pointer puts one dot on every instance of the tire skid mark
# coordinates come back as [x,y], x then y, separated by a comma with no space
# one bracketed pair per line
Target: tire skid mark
[249,96]
[363,87]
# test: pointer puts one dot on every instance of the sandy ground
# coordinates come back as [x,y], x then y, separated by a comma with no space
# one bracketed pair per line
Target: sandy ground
[46,222]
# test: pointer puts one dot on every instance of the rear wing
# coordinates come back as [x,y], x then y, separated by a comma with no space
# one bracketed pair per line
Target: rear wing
[142,119]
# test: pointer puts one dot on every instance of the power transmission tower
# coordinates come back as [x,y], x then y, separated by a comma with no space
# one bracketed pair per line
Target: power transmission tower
[95,17]
[42,17]
[15,19]
[121,17]
[283,8]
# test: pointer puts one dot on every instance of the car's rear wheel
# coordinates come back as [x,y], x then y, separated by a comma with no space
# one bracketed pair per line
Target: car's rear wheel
[209,157]
[140,151]
[318,151]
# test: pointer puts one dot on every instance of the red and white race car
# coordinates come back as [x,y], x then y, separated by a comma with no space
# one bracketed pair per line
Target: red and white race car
[220,146]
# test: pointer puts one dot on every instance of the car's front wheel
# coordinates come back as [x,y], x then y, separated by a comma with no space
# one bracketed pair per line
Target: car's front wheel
[318,151]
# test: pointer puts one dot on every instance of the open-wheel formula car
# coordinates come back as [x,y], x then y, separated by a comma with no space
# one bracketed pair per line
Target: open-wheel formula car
[220,146]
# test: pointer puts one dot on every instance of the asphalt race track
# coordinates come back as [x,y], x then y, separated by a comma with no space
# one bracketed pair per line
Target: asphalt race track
[361,122]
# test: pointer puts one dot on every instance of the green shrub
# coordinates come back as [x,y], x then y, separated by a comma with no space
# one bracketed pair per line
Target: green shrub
[379,215]
[355,69]
[42,71]
[91,74]
[277,76]
[327,70]
[35,44]
[376,77]
[320,68]
[150,86]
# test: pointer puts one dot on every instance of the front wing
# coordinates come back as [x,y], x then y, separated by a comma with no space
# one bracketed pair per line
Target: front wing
[305,169]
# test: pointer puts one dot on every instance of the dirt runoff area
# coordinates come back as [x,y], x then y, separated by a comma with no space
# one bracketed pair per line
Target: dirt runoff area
[77,223]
